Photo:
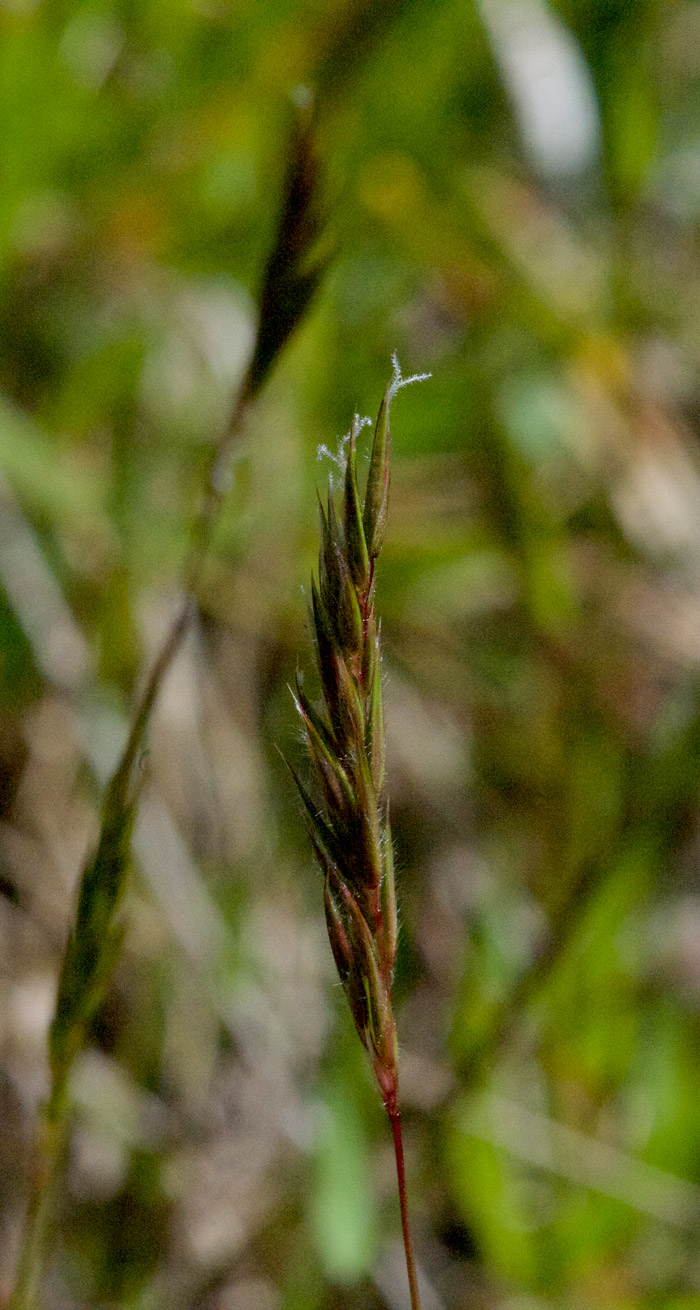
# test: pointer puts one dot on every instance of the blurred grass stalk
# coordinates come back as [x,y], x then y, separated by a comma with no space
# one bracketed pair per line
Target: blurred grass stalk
[348,817]
[291,277]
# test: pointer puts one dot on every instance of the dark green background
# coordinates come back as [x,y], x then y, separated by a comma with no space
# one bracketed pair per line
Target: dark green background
[540,594]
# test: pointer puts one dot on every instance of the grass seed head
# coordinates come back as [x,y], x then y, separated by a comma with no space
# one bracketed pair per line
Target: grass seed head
[347,810]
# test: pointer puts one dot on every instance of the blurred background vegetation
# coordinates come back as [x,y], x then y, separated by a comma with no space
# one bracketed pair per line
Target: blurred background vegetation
[512,194]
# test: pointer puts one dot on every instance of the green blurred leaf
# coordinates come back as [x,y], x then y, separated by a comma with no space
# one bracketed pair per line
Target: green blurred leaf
[343,1210]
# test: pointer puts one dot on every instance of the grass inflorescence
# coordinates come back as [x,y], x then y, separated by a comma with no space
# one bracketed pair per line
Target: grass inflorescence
[347,810]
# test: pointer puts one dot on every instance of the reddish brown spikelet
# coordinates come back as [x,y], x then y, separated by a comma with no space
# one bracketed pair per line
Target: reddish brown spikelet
[349,820]
[349,824]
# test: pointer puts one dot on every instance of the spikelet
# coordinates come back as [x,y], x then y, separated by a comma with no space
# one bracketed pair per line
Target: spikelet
[347,810]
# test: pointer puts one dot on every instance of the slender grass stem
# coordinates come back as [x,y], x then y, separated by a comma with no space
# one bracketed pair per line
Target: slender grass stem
[54,1125]
[94,943]
[395,1121]
[49,1157]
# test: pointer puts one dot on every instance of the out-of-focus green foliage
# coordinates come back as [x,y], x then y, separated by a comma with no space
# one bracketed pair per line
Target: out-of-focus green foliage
[512,201]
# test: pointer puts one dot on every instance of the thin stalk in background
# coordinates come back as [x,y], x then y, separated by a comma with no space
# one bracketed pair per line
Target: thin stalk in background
[348,812]
[292,274]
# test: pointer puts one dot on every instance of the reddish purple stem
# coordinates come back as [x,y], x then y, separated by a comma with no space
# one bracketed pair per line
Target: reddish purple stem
[395,1121]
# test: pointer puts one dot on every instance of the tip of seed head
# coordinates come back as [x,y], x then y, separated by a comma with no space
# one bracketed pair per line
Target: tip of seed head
[398,381]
